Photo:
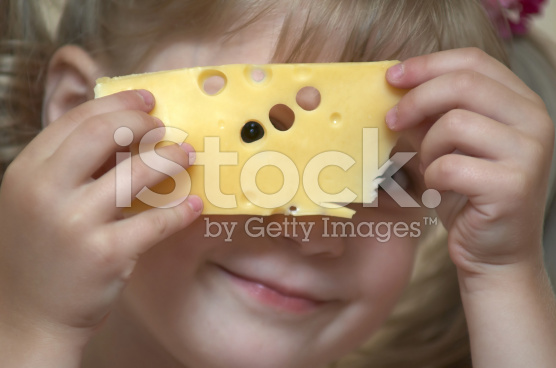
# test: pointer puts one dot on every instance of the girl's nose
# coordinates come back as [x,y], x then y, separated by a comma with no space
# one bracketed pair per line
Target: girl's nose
[323,247]
[311,236]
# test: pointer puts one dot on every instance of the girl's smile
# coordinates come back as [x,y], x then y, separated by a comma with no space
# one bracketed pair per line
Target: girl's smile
[292,298]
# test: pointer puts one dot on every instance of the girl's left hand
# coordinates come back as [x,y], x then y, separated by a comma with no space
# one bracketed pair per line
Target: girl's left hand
[485,137]
[492,142]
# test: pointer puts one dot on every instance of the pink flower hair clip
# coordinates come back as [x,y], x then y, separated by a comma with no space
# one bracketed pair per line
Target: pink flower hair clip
[512,17]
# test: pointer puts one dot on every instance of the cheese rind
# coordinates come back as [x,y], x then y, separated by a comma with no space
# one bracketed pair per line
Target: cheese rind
[285,172]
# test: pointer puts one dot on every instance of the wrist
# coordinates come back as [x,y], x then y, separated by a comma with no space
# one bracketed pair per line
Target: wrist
[526,274]
[28,345]
[510,312]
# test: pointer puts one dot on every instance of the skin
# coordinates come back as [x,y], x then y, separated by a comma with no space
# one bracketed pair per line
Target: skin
[177,309]
[494,237]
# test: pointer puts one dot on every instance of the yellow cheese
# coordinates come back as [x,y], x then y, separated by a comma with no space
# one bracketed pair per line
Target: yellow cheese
[298,171]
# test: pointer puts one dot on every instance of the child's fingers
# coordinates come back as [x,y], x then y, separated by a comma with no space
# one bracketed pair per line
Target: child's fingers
[472,177]
[140,232]
[145,170]
[464,90]
[53,135]
[95,140]
[420,69]
[472,134]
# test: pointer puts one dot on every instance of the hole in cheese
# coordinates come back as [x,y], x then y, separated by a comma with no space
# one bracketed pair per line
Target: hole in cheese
[336,118]
[282,117]
[252,131]
[213,82]
[258,75]
[308,98]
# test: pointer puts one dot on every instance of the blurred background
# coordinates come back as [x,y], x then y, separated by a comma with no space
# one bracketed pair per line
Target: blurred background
[547,23]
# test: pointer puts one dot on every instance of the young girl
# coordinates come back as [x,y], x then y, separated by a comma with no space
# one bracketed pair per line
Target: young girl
[83,286]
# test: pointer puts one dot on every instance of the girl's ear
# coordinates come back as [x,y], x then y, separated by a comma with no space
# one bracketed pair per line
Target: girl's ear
[70,81]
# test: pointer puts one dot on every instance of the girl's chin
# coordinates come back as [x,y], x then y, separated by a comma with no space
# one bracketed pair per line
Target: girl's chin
[246,329]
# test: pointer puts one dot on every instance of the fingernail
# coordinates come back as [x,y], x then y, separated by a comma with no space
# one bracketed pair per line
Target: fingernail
[396,72]
[392,117]
[147,97]
[195,203]
[190,152]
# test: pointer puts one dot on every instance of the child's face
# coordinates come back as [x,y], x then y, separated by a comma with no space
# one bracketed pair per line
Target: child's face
[184,292]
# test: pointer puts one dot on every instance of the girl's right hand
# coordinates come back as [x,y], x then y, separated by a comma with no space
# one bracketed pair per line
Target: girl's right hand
[66,251]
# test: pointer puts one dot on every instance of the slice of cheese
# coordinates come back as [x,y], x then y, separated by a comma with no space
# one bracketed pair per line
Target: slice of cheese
[329,156]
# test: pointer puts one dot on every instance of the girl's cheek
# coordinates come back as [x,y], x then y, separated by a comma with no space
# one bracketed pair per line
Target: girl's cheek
[171,264]
[387,268]
[380,273]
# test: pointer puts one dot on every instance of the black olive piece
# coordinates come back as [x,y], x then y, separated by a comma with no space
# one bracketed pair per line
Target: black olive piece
[252,131]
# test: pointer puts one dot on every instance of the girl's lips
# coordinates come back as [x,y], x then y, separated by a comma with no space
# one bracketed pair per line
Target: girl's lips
[275,295]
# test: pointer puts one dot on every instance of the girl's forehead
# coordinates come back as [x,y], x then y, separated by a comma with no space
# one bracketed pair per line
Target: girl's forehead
[296,31]
[254,44]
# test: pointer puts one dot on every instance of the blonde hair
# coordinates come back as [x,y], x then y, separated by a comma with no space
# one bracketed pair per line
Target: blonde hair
[428,328]
[25,47]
